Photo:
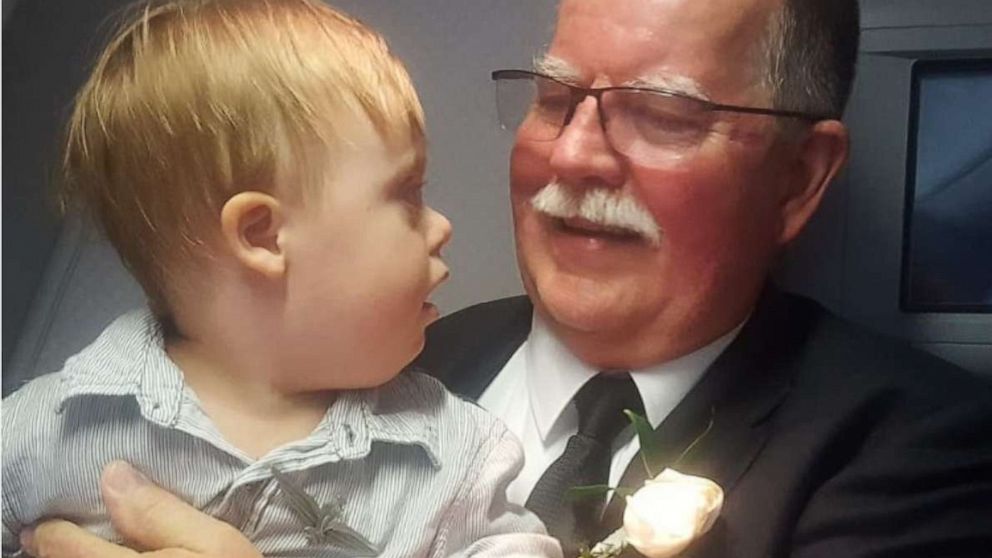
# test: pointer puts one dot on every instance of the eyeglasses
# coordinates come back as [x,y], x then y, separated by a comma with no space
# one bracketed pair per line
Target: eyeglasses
[648,125]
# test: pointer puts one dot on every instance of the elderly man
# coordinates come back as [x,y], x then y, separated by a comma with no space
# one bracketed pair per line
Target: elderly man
[666,151]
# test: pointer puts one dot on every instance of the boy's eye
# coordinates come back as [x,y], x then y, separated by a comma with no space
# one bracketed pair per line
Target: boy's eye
[416,194]
[411,195]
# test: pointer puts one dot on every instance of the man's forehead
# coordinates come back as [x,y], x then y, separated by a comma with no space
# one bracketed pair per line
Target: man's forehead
[681,11]
[658,40]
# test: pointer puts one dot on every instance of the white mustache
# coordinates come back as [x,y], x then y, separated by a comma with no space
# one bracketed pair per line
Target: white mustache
[602,206]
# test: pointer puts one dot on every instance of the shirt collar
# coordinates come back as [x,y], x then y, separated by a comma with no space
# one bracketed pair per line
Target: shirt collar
[554,375]
[129,359]
[663,386]
[407,411]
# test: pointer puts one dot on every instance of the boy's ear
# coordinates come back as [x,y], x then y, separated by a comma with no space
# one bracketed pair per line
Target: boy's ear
[251,225]
[821,156]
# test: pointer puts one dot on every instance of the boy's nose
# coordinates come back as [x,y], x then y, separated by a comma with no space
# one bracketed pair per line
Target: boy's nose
[438,230]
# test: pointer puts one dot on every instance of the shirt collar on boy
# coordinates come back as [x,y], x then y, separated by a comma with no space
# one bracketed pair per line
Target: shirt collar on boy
[129,359]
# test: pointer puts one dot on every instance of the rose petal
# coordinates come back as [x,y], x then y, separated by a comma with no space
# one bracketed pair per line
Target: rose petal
[670,511]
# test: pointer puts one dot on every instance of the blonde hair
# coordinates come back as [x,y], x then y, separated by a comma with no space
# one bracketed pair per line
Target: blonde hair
[192,102]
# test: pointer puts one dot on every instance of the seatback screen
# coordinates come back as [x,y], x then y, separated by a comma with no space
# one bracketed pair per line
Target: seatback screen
[947,258]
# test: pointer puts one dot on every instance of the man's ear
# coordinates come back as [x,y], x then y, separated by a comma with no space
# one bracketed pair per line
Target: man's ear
[821,155]
[251,225]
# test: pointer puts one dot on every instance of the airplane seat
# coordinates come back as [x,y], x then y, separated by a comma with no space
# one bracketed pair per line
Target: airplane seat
[84,287]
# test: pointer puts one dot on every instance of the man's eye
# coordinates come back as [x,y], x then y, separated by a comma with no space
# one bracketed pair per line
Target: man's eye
[414,194]
[663,120]
[553,102]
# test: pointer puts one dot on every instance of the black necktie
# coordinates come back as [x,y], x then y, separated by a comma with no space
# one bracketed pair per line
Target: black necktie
[585,461]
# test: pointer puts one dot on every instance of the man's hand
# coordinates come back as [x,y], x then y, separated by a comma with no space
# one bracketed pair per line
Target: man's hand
[149,518]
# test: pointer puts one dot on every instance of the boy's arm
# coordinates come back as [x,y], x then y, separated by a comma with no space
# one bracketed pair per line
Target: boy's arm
[480,522]
[10,529]
[13,481]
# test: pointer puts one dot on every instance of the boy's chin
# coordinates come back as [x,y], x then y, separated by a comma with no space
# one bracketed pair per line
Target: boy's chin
[370,374]
[387,375]
[432,313]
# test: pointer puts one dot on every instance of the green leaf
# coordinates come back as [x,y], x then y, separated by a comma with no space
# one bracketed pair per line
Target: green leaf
[583,492]
[695,442]
[650,451]
[624,491]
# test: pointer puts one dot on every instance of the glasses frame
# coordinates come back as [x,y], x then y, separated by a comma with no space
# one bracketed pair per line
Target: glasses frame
[579,93]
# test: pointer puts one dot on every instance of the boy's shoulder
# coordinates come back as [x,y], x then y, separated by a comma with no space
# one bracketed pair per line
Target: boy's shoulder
[34,429]
[450,426]
[419,393]
[109,366]
[25,410]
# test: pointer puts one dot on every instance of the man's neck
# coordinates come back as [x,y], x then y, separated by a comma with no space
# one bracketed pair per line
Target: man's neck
[644,341]
[638,350]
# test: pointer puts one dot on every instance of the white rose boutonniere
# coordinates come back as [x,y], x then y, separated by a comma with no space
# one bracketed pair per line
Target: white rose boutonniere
[665,515]
[669,512]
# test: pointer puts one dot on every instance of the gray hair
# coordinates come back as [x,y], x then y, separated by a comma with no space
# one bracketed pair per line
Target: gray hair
[810,50]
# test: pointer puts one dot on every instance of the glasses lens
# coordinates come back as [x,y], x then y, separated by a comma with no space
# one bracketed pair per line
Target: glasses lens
[532,106]
[647,126]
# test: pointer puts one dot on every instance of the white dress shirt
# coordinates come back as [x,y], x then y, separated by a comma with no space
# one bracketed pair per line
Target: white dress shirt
[533,391]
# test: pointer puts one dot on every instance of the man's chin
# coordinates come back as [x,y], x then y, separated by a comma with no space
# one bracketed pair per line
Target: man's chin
[582,306]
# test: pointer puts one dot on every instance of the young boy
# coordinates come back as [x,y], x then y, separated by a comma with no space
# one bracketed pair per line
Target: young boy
[258,165]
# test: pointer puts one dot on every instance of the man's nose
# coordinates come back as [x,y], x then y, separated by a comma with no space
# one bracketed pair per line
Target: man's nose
[582,153]
[438,231]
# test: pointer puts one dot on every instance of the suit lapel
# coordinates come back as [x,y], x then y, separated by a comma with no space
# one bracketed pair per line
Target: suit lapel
[738,394]
[469,348]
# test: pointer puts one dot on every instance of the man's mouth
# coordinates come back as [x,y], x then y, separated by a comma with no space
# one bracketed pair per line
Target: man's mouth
[584,227]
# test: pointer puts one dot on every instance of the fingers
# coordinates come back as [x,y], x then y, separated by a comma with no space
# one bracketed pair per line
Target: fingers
[147,515]
[154,519]
[61,539]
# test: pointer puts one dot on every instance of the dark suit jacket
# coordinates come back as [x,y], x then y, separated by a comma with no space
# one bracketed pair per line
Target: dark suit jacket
[828,441]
